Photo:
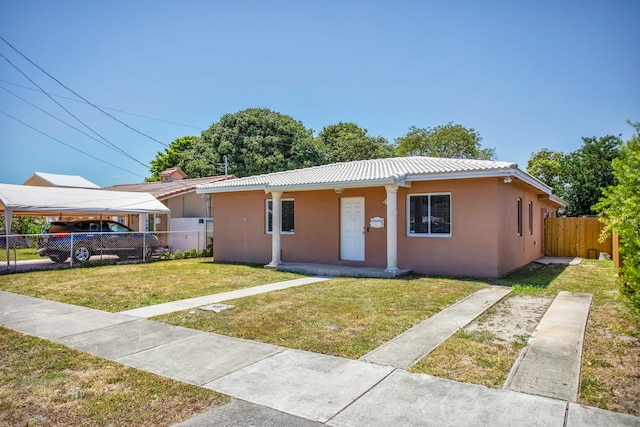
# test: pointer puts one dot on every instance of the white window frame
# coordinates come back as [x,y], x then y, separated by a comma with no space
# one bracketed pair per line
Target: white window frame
[266,216]
[429,235]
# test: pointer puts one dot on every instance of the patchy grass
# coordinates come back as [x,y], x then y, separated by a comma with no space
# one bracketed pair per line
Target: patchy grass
[483,352]
[19,254]
[475,357]
[46,384]
[342,317]
[127,286]
[610,374]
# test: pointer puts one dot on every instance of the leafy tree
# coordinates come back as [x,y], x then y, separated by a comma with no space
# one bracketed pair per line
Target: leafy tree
[344,142]
[450,140]
[587,172]
[620,210]
[171,157]
[255,141]
[24,224]
[578,177]
[547,166]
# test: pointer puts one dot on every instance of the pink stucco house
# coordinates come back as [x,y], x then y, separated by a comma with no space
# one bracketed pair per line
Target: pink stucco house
[430,215]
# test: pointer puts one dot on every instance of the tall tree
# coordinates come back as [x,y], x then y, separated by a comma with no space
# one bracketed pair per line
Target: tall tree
[255,141]
[344,142]
[171,157]
[587,172]
[619,209]
[451,141]
[547,166]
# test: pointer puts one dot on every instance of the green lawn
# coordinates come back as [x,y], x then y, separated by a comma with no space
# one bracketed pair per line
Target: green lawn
[342,317]
[47,384]
[350,317]
[19,254]
[126,286]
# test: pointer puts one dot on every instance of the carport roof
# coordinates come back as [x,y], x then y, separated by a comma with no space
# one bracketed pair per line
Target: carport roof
[31,200]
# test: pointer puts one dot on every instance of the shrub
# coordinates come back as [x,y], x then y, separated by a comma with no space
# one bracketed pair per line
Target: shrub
[620,211]
[191,253]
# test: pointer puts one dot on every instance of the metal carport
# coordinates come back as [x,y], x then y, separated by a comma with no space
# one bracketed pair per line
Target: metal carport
[54,201]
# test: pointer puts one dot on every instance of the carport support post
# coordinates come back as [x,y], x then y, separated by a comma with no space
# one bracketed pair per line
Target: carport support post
[8,216]
[276,227]
[392,228]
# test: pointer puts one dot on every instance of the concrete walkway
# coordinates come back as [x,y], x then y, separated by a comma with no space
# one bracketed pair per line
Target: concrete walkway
[185,304]
[550,260]
[276,384]
[410,347]
[550,364]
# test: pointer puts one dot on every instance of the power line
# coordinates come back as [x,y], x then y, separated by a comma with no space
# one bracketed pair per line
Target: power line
[106,108]
[79,96]
[69,145]
[70,125]
[68,112]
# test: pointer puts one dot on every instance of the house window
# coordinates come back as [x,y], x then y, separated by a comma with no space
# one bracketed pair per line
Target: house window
[287,208]
[519,217]
[429,215]
[530,217]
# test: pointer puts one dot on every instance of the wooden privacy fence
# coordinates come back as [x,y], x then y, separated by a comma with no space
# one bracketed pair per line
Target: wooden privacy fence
[575,237]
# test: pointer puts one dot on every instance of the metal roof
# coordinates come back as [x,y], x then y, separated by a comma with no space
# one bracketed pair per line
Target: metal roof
[366,173]
[57,180]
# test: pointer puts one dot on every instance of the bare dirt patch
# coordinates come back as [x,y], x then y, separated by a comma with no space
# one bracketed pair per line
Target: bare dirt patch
[484,351]
[513,319]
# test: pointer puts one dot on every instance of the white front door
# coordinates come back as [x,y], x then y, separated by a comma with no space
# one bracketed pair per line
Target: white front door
[352,228]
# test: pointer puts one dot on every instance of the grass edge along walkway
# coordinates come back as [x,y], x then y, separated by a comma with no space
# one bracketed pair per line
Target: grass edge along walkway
[173,306]
[411,346]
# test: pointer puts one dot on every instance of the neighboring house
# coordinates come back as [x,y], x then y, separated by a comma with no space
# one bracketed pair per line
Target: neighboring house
[430,215]
[188,209]
[41,179]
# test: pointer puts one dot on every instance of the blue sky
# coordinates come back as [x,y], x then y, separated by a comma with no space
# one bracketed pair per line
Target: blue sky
[525,75]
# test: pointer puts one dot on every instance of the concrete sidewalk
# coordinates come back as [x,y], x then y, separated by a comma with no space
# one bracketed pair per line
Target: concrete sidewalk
[279,385]
[550,364]
[410,347]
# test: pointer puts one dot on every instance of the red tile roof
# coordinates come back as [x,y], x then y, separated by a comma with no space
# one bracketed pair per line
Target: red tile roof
[166,190]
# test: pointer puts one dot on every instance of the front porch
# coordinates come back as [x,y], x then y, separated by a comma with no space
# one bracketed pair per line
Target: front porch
[339,270]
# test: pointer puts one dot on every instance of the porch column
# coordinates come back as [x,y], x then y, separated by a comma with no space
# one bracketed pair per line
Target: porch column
[276,226]
[392,228]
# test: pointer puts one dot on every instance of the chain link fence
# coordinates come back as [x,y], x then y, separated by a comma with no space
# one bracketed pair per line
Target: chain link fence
[30,251]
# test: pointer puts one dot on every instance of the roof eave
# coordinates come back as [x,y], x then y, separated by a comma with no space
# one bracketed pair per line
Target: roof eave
[557,200]
[438,176]
[490,173]
[230,189]
[398,180]
[174,193]
[339,185]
